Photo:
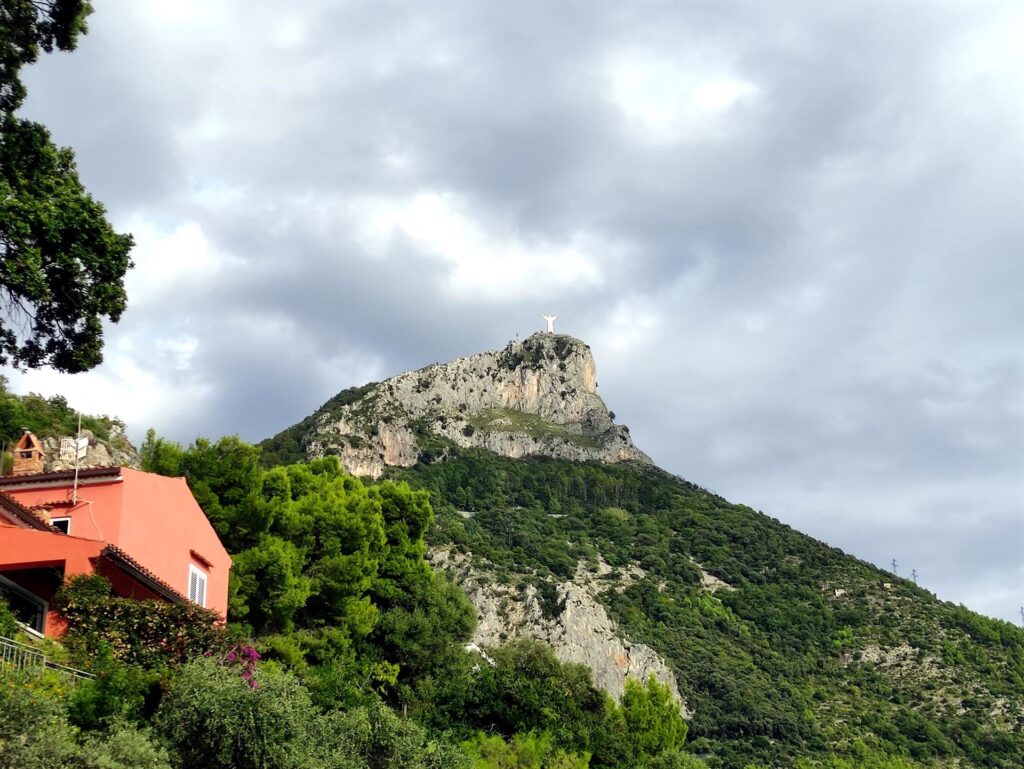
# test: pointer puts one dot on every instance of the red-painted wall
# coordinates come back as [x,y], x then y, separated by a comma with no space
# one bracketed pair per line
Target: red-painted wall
[161,524]
[154,519]
[27,549]
[97,514]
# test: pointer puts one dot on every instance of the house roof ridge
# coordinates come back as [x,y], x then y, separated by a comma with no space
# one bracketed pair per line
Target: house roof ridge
[61,475]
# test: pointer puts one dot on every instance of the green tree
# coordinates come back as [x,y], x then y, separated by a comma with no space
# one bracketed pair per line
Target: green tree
[225,478]
[35,732]
[268,586]
[525,689]
[652,716]
[161,456]
[425,619]
[534,750]
[62,265]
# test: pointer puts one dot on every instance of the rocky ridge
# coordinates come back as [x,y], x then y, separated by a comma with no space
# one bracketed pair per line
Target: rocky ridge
[535,397]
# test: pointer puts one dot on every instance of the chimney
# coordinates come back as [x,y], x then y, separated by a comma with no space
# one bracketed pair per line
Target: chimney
[28,455]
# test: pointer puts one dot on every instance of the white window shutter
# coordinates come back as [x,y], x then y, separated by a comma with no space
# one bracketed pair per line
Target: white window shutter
[196,585]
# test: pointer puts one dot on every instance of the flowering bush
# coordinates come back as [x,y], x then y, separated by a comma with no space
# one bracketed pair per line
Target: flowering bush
[152,634]
[244,658]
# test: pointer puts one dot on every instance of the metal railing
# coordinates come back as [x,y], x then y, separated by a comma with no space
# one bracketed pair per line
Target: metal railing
[23,657]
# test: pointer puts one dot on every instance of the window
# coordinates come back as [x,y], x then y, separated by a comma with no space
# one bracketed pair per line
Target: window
[64,524]
[26,607]
[196,584]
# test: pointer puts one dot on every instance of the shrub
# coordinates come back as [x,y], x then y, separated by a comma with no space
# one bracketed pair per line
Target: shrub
[124,747]
[652,716]
[214,718]
[151,634]
[8,622]
[375,737]
[33,731]
[119,692]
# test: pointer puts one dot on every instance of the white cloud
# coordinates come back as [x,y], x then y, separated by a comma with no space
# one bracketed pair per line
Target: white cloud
[669,99]
[481,259]
[170,261]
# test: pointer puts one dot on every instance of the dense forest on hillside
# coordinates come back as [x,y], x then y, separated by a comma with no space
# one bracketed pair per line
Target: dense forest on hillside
[806,652]
[345,649]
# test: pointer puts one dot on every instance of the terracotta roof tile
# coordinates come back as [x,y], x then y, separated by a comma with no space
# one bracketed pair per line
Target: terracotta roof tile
[120,558]
[60,475]
[23,514]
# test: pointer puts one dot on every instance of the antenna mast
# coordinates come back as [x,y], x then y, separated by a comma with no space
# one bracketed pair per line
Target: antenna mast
[78,437]
[894,567]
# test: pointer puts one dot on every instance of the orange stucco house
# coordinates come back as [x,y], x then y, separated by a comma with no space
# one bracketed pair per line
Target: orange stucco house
[144,532]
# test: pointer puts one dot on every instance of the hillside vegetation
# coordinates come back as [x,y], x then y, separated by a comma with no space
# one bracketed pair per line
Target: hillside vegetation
[805,651]
[345,649]
[47,417]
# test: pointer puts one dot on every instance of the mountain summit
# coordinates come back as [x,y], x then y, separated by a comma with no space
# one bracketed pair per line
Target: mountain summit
[535,397]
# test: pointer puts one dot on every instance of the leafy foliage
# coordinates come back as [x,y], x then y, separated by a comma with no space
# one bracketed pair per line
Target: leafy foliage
[46,417]
[150,634]
[35,733]
[214,719]
[375,737]
[776,663]
[525,751]
[8,622]
[652,717]
[30,27]
[63,266]
[329,571]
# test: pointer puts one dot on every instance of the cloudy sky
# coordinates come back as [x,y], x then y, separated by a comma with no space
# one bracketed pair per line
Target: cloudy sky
[791,232]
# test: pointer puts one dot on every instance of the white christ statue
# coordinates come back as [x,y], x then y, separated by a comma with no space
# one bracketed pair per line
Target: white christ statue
[551,322]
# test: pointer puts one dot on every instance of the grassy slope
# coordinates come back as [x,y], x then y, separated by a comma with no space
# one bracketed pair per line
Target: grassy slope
[779,667]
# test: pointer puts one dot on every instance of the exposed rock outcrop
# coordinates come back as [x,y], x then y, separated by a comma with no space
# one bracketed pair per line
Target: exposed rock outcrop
[580,631]
[100,453]
[537,396]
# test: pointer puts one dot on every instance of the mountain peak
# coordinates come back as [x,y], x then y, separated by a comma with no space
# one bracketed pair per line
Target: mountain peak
[534,397]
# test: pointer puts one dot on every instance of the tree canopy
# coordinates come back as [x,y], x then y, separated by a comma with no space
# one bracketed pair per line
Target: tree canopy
[62,265]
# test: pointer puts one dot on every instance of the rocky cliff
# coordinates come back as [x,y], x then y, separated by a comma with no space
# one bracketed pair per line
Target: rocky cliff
[535,397]
[580,629]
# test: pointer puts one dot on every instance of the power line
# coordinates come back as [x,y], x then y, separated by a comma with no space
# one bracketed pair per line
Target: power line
[894,566]
[913,575]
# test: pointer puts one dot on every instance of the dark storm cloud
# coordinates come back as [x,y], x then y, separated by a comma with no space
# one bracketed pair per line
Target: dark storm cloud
[801,283]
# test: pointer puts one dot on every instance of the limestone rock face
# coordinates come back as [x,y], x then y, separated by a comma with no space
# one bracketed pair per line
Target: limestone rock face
[535,397]
[580,631]
[118,451]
